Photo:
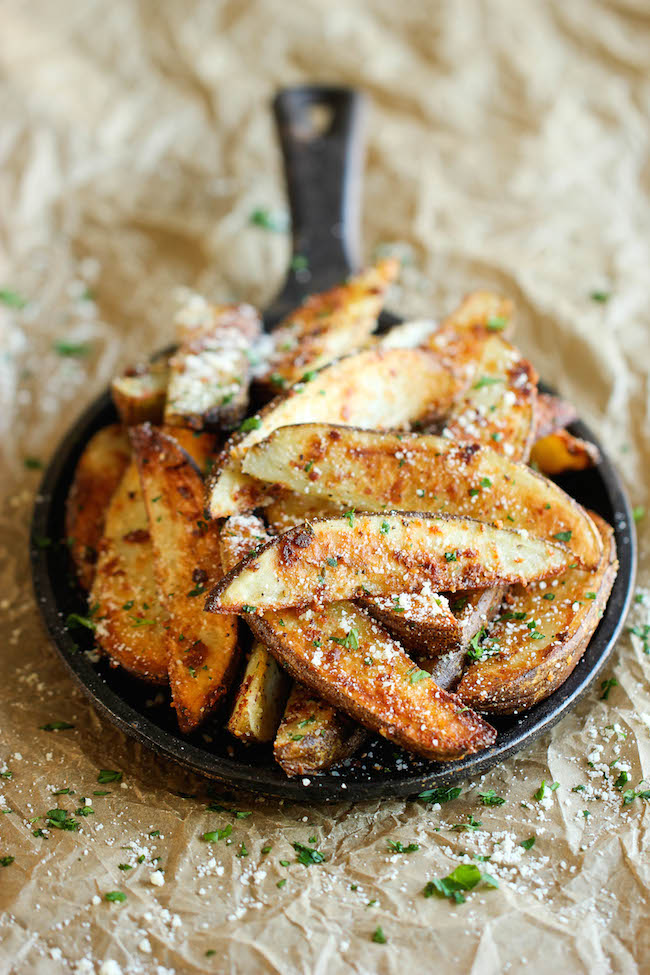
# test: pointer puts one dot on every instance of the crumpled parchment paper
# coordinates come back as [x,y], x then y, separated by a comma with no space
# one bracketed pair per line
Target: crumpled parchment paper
[508,147]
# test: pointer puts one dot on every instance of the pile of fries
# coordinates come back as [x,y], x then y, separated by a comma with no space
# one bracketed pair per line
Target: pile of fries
[377,548]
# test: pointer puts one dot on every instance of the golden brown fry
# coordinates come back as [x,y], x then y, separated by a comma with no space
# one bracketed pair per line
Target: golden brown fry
[313,735]
[370,470]
[539,637]
[350,661]
[421,621]
[560,452]
[329,325]
[97,475]
[202,657]
[377,555]
[131,620]
[209,373]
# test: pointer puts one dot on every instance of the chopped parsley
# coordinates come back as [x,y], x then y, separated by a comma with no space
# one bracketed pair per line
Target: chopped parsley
[6,861]
[276,222]
[451,556]
[600,296]
[351,640]
[350,516]
[440,794]
[115,896]
[56,726]
[61,819]
[74,350]
[109,775]
[415,676]
[12,299]
[563,536]
[197,591]
[638,512]
[529,843]
[246,608]
[385,528]
[541,792]
[395,846]
[74,620]
[496,323]
[378,936]
[299,263]
[606,687]
[465,877]
[490,798]
[250,423]
[308,856]
[486,381]
[213,836]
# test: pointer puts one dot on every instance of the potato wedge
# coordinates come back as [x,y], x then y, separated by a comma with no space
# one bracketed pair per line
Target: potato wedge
[421,621]
[131,620]
[260,699]
[97,475]
[376,555]
[328,325]
[348,659]
[483,309]
[539,636]
[377,388]
[313,735]
[500,403]
[201,657]
[201,446]
[552,413]
[139,393]
[560,452]
[378,471]
[209,373]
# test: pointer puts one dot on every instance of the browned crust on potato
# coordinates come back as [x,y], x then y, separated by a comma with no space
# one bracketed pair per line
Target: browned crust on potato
[355,557]
[131,621]
[202,658]
[423,623]
[526,671]
[313,736]
[97,475]
[372,679]
[329,325]
[373,470]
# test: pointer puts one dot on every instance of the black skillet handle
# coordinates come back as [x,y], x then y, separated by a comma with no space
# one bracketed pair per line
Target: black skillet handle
[321,136]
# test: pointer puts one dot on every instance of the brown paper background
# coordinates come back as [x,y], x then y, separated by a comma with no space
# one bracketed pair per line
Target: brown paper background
[508,147]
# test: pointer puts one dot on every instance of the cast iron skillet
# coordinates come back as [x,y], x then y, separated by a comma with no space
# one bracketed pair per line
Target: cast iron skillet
[319,134]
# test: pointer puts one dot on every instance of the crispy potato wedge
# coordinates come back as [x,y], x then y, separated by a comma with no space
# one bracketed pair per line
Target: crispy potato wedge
[539,636]
[378,471]
[349,660]
[201,446]
[131,621]
[500,403]
[377,388]
[421,621]
[260,699]
[552,413]
[560,452]
[201,657]
[313,735]
[139,393]
[209,373]
[329,325]
[241,535]
[376,555]
[483,309]
[97,475]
